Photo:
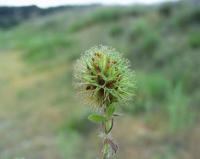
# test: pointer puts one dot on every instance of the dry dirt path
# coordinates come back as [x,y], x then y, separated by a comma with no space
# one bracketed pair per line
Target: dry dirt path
[23,131]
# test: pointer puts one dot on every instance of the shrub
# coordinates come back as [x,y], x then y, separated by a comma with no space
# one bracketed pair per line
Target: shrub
[46,48]
[104,15]
[166,9]
[146,37]
[186,16]
[150,42]
[116,30]
[139,28]
[151,92]
[194,40]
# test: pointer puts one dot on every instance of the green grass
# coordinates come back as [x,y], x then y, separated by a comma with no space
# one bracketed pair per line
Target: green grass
[49,48]
[178,109]
[38,104]
[194,39]
[105,15]
[116,30]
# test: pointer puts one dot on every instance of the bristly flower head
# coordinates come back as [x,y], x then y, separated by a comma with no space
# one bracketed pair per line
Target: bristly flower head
[103,77]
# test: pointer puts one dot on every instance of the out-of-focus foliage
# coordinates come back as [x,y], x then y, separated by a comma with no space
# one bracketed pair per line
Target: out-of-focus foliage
[41,117]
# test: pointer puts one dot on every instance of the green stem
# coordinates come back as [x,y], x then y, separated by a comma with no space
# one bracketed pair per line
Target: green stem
[105,151]
[107,127]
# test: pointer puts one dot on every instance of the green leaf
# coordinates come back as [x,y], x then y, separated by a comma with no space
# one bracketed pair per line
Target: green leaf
[96,118]
[110,110]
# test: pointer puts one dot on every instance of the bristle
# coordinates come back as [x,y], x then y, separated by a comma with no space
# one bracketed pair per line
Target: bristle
[101,71]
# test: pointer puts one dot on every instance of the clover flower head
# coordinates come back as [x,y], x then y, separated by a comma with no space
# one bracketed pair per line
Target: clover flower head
[103,76]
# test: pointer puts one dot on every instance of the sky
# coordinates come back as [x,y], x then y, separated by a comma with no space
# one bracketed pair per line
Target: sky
[51,3]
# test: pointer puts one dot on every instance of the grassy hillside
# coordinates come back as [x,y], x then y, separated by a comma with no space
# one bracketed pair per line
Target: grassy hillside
[40,115]
[12,16]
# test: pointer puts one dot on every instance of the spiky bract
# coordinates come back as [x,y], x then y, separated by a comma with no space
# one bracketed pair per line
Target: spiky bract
[103,77]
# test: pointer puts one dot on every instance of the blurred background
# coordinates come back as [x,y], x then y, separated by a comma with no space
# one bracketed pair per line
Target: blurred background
[40,115]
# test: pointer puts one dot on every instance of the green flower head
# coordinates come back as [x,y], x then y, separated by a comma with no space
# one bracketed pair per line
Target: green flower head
[103,77]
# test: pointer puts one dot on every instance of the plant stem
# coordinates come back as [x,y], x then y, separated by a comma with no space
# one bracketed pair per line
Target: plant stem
[106,128]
